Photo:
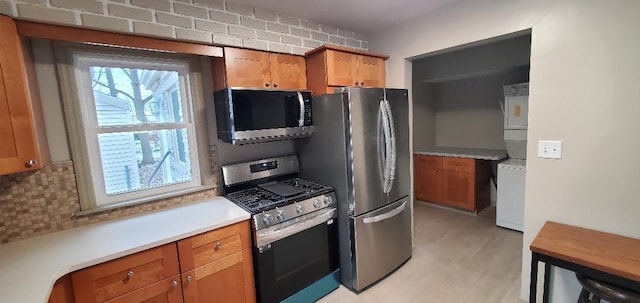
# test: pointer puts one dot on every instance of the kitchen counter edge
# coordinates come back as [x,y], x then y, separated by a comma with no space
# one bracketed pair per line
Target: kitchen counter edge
[30,267]
[472,153]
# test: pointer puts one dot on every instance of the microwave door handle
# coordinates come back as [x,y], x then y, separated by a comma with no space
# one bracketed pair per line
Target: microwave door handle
[301,103]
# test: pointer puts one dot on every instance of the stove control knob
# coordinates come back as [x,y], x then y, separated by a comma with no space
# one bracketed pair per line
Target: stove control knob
[266,220]
[299,209]
[316,203]
[327,200]
[279,216]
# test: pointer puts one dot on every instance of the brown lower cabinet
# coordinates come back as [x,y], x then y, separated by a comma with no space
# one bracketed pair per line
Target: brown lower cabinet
[457,182]
[215,266]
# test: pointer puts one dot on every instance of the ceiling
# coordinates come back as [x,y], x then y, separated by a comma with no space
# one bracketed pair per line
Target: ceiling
[362,16]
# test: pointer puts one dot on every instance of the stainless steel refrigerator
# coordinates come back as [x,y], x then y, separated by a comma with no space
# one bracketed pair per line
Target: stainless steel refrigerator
[360,147]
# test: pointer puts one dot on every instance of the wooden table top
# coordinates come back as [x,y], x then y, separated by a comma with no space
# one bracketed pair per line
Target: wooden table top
[614,254]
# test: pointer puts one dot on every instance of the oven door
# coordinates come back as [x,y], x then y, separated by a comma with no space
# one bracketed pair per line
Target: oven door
[290,258]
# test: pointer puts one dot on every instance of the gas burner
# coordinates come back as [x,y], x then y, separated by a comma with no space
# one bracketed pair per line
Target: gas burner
[258,199]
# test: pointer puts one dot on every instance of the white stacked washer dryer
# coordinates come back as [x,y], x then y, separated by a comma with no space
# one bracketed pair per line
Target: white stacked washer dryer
[512,172]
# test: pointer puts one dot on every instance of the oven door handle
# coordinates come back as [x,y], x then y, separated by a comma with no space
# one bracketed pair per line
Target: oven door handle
[386,215]
[274,233]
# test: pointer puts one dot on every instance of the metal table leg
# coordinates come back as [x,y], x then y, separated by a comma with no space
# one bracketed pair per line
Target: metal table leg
[545,289]
[533,284]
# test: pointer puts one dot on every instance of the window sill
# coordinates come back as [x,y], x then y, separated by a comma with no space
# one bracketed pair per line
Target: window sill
[140,201]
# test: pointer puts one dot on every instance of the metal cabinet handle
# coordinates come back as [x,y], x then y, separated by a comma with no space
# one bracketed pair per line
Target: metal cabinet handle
[174,283]
[362,83]
[275,84]
[267,84]
[218,245]
[130,274]
[356,83]
[30,163]
[189,278]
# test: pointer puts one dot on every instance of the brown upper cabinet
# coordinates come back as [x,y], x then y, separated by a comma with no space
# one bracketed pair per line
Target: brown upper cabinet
[24,143]
[330,67]
[250,68]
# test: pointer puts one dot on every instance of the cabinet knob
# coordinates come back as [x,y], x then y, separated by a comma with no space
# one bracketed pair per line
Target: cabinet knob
[174,283]
[268,84]
[30,163]
[356,83]
[275,84]
[130,274]
[189,278]
[218,245]
[362,83]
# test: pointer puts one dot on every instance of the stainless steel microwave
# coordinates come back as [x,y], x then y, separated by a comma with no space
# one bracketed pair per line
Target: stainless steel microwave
[254,115]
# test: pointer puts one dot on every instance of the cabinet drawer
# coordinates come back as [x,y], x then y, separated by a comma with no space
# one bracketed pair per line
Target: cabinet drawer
[168,290]
[429,161]
[211,246]
[114,278]
[459,164]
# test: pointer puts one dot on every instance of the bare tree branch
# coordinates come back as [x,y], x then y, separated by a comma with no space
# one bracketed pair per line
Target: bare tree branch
[117,90]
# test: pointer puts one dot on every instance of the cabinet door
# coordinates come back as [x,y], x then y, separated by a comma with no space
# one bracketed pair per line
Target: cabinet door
[17,129]
[229,279]
[165,291]
[112,279]
[247,68]
[428,180]
[288,71]
[371,71]
[458,189]
[342,68]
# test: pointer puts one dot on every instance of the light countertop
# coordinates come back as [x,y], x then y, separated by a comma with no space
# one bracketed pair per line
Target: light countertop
[29,268]
[473,153]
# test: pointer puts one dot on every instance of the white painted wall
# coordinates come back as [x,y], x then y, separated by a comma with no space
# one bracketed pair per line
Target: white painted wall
[584,91]
[468,111]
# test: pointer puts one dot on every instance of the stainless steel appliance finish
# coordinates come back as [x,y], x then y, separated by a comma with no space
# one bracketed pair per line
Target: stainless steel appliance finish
[294,228]
[360,147]
[248,171]
[250,115]
[388,226]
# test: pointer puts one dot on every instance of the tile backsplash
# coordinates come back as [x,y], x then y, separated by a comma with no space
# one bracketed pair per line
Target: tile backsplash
[44,201]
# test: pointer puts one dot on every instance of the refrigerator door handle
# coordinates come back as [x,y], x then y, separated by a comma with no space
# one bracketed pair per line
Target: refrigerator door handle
[387,215]
[392,156]
[387,146]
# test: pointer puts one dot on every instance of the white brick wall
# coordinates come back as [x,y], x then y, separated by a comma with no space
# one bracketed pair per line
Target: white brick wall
[208,21]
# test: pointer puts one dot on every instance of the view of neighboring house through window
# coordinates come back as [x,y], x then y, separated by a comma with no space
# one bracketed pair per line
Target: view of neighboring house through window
[137,125]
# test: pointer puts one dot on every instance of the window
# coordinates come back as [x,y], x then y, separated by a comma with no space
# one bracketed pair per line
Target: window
[132,124]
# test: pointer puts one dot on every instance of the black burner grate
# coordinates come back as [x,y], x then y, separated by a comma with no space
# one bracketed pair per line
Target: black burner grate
[256,199]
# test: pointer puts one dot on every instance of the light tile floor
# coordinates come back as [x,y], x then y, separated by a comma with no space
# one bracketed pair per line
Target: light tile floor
[457,258]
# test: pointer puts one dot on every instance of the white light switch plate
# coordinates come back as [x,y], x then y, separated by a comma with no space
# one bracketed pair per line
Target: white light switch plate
[550,149]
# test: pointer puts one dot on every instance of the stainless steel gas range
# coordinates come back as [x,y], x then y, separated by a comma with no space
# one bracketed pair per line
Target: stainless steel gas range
[295,244]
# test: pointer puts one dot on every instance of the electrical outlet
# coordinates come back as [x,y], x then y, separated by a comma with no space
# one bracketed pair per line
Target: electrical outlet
[550,149]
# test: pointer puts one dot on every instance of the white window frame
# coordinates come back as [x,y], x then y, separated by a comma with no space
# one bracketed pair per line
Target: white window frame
[82,123]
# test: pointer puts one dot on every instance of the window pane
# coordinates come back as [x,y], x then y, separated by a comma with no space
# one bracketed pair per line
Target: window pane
[125,96]
[134,161]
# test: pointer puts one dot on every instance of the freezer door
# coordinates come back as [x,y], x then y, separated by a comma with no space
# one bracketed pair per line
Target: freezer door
[364,132]
[382,242]
[399,104]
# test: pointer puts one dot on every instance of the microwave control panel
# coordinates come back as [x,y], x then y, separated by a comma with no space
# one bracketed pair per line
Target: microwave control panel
[308,121]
